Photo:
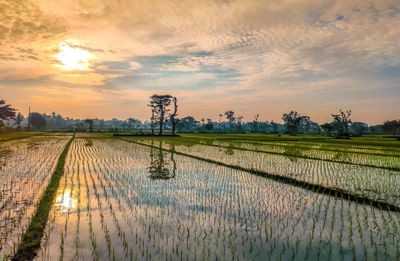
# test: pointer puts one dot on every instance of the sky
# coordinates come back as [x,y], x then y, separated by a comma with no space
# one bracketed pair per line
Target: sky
[104,58]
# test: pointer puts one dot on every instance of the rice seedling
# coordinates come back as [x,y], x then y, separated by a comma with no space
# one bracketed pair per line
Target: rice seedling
[206,211]
[26,168]
[380,185]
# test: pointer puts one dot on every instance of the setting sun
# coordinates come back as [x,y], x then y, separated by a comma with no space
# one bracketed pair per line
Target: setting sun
[73,58]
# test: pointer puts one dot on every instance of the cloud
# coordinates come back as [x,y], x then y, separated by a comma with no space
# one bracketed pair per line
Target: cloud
[225,52]
[93,79]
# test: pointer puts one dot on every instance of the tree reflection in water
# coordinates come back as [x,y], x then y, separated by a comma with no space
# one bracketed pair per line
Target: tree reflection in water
[159,163]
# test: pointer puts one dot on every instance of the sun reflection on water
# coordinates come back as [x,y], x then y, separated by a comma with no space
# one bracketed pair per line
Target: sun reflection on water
[65,202]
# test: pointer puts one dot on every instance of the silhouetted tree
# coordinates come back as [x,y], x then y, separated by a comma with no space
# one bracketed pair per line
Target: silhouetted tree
[328,128]
[341,123]
[209,126]
[274,127]
[255,123]
[90,123]
[152,120]
[186,124]
[133,123]
[6,112]
[101,124]
[391,127]
[230,115]
[377,129]
[358,128]
[160,105]
[53,119]
[18,120]
[174,121]
[239,120]
[293,120]
[37,120]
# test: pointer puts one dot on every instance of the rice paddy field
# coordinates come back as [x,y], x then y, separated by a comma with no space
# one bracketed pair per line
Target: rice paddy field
[202,197]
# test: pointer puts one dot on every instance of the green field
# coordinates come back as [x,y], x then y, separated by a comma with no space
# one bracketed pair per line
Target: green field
[200,197]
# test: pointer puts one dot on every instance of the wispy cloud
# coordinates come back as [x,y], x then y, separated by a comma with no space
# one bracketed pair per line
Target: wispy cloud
[244,55]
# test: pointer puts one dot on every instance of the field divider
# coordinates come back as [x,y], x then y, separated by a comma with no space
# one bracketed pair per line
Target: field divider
[331,191]
[299,156]
[25,136]
[32,237]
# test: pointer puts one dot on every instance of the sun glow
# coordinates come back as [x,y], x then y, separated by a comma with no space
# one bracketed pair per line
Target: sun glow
[65,201]
[73,58]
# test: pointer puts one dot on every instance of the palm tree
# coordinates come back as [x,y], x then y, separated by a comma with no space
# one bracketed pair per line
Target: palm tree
[90,123]
[18,119]
[6,112]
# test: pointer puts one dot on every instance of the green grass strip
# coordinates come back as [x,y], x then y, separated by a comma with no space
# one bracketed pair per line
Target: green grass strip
[24,136]
[31,240]
[330,191]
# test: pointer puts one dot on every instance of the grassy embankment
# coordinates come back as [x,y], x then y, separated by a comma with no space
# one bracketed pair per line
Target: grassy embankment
[18,135]
[31,239]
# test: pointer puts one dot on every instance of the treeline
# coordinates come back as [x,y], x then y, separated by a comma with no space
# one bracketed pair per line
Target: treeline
[164,109]
[294,124]
[10,120]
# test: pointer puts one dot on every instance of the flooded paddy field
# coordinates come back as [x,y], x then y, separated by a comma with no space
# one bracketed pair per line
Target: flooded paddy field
[26,166]
[186,198]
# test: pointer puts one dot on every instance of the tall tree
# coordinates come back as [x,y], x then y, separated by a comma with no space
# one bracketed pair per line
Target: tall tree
[230,116]
[37,120]
[174,121]
[152,120]
[255,123]
[186,124]
[293,120]
[341,123]
[358,129]
[6,111]
[90,123]
[391,127]
[328,128]
[160,105]
[53,119]
[18,120]
[133,123]
[274,127]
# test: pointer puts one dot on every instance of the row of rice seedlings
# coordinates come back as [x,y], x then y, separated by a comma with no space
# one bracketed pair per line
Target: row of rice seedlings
[24,176]
[75,243]
[282,147]
[378,149]
[211,212]
[377,184]
[99,219]
[365,159]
